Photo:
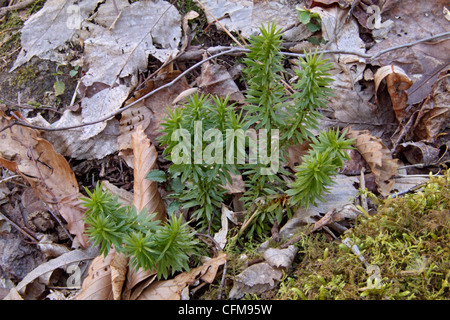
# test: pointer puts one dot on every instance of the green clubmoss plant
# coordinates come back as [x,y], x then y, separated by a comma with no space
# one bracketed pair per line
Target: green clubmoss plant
[165,247]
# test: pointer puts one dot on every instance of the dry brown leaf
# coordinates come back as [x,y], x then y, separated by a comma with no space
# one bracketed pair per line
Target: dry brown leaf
[434,116]
[419,152]
[172,289]
[146,193]
[397,83]
[98,284]
[296,152]
[119,267]
[216,80]
[47,171]
[378,157]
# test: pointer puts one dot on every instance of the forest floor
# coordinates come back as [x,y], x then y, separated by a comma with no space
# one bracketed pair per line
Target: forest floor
[382,232]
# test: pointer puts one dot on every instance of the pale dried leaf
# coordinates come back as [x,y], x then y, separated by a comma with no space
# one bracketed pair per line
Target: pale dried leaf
[173,288]
[237,184]
[280,258]
[245,17]
[63,260]
[119,267]
[98,284]
[125,197]
[256,279]
[221,235]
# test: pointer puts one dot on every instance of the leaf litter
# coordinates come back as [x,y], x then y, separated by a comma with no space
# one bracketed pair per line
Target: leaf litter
[408,88]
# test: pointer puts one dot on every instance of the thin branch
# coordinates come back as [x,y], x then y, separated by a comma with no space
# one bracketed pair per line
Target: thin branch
[19,228]
[18,6]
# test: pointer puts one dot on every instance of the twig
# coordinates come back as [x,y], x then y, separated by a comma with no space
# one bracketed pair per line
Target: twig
[19,228]
[363,186]
[25,124]
[18,6]
[226,52]
[9,178]
[222,281]
[220,24]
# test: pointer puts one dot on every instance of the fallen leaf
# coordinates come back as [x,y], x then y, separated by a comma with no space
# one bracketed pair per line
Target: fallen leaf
[397,83]
[378,157]
[47,171]
[98,284]
[257,278]
[280,258]
[413,20]
[245,17]
[216,80]
[434,115]
[66,259]
[50,28]
[172,289]
[419,152]
[221,235]
[146,193]
[237,185]
[68,142]
[119,267]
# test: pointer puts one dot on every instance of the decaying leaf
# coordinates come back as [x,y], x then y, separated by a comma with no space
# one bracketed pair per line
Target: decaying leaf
[413,20]
[66,259]
[280,258]
[172,289]
[114,57]
[245,17]
[397,83]
[98,284]
[119,267]
[50,28]
[47,171]
[257,278]
[295,154]
[216,80]
[378,157]
[419,153]
[434,116]
[146,193]
[221,235]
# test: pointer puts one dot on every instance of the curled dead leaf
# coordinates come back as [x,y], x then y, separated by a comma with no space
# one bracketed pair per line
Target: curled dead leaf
[397,82]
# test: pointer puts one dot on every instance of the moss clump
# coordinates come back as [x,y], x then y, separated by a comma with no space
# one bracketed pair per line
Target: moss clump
[406,243]
[24,75]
